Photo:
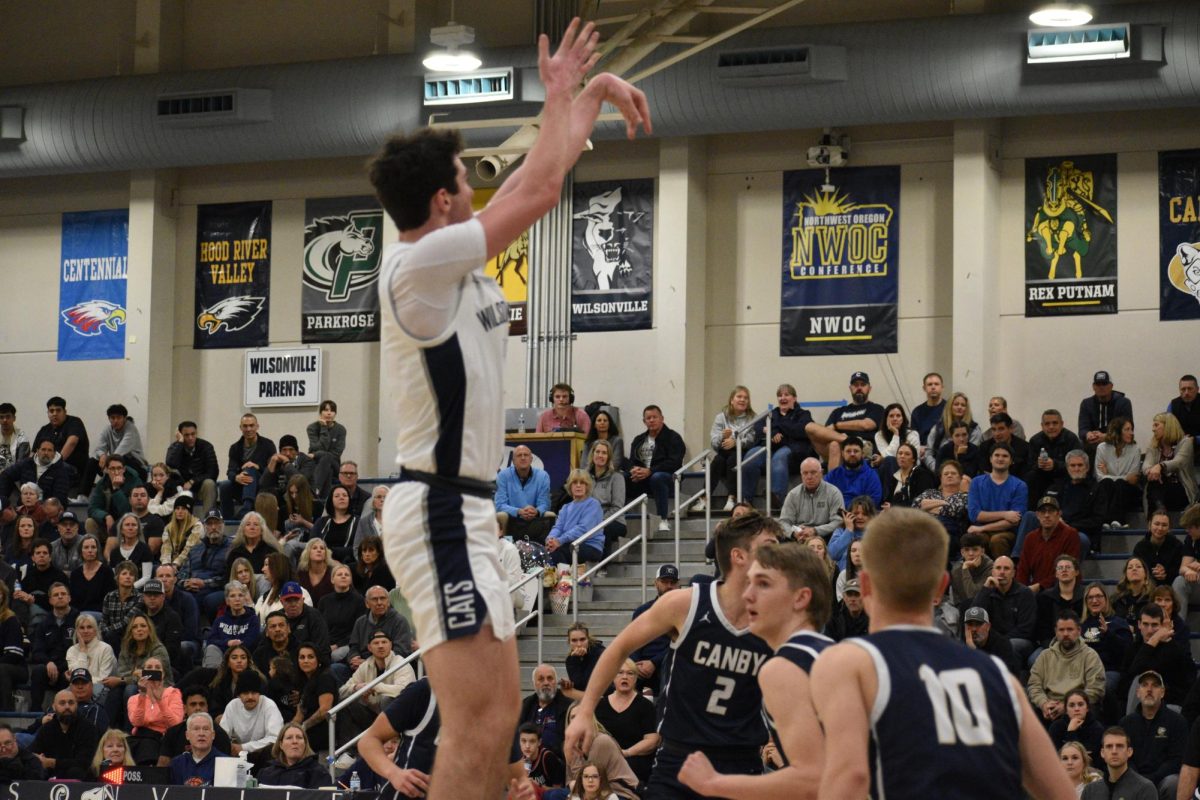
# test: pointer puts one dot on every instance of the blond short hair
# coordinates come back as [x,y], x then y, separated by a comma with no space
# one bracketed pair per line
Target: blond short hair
[904,554]
[580,476]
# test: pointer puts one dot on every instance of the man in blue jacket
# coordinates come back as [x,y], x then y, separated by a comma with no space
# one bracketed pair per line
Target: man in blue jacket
[197,768]
[523,498]
[854,477]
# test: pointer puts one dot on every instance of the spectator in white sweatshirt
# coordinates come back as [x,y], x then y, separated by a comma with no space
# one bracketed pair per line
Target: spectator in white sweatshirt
[252,720]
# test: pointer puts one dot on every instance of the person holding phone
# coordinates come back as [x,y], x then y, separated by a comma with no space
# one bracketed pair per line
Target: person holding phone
[157,705]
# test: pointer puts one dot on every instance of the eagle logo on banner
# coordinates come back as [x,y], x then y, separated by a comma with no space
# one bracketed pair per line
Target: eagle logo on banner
[232,313]
[91,316]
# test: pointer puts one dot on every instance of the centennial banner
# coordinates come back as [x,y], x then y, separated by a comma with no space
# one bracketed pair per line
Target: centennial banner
[233,275]
[1071,235]
[510,269]
[343,243]
[612,255]
[92,285]
[841,261]
[1179,234]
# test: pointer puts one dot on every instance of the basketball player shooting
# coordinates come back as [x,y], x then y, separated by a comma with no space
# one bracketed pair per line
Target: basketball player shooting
[444,330]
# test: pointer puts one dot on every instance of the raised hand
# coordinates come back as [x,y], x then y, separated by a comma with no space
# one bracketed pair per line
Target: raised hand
[576,55]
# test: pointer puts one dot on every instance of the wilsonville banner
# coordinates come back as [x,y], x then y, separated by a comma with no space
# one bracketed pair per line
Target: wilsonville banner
[612,255]
[233,275]
[1179,234]
[510,269]
[343,242]
[92,284]
[841,261]
[1071,235]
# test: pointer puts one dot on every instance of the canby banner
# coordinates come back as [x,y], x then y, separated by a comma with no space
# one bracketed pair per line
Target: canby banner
[1071,235]
[1179,234]
[92,284]
[510,269]
[612,255]
[233,275]
[841,261]
[343,242]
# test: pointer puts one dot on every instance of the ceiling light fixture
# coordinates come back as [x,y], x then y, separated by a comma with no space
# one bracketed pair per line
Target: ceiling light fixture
[1061,15]
[452,36]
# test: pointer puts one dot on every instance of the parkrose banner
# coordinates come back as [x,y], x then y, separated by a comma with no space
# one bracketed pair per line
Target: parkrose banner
[1179,234]
[841,261]
[612,255]
[93,277]
[1071,235]
[343,242]
[510,269]
[233,275]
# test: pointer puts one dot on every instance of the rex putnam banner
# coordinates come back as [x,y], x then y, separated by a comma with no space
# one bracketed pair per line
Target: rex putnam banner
[510,269]
[233,278]
[612,255]
[1071,235]
[343,241]
[1179,234]
[841,260]
[93,277]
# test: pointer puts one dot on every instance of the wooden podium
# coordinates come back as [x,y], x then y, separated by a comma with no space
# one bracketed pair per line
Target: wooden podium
[560,452]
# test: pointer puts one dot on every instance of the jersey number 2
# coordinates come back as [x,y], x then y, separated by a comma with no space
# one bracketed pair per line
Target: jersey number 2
[724,691]
[959,706]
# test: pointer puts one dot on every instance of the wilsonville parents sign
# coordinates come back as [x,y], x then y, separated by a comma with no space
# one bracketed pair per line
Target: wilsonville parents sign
[283,377]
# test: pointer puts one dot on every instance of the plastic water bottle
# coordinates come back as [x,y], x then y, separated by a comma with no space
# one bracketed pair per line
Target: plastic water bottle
[355,782]
[1043,456]
[16,586]
[521,423]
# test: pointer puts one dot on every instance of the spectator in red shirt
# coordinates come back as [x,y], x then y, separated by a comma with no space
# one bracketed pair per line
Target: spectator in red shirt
[1043,547]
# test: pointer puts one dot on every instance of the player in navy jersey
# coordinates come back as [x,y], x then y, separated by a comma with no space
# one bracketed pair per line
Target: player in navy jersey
[789,600]
[710,699]
[910,713]
[442,338]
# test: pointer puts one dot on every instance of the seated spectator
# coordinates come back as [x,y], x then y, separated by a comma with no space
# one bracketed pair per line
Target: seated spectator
[1167,465]
[996,502]
[1004,431]
[358,716]
[1078,498]
[45,468]
[1065,665]
[575,519]
[813,507]
[608,488]
[380,616]
[320,692]
[174,741]
[285,464]
[315,571]
[266,505]
[20,548]
[654,457]
[66,744]
[1157,735]
[64,551]
[978,635]
[1119,780]
[306,624]
[253,542]
[326,443]
[152,525]
[853,477]
[92,579]
[1011,607]
[893,433]
[927,414]
[1159,550]
[1173,664]
[1118,473]
[224,684]
[1186,584]
[1099,409]
[139,644]
[523,498]
[300,509]
[854,524]
[967,577]
[957,410]
[110,496]
[649,657]
[93,654]
[276,574]
[360,498]
[1078,766]
[583,651]
[849,616]
[790,445]
[958,447]
[604,429]
[629,718]
[1164,597]
[127,543]
[591,784]
[293,762]
[120,438]
[284,683]
[181,534]
[546,769]
[194,460]
[605,754]
[248,457]
[370,523]
[948,502]
[732,424]
[860,418]
[17,763]
[14,667]
[1106,633]
[818,546]
[237,626]
[30,495]
[546,707]
[908,481]
[1040,553]
[1078,725]
[338,527]
[163,487]
[276,641]
[341,608]
[14,443]
[112,750]
[207,564]
[82,685]
[562,414]
[157,705]
[852,568]
[1065,593]
[1050,448]
[197,766]
[168,626]
[185,607]
[252,720]
[120,604]
[1133,590]
[50,641]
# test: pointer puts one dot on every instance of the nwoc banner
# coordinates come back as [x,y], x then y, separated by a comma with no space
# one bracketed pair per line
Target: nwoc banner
[92,285]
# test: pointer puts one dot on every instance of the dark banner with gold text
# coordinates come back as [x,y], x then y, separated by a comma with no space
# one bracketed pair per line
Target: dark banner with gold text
[1179,234]
[233,275]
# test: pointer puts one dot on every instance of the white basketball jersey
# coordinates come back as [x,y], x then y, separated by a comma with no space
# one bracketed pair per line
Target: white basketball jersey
[447,391]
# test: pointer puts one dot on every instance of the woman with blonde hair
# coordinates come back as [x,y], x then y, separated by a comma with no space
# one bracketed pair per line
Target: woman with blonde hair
[139,643]
[129,543]
[958,409]
[112,748]
[1170,482]
[1078,764]
[316,570]
[14,670]
[630,720]
[182,533]
[574,520]
[732,424]
[608,487]
[92,653]
[267,506]
[293,762]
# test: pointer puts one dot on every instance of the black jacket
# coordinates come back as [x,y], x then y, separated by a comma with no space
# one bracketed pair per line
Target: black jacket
[843,626]
[1157,743]
[1057,449]
[72,426]
[998,645]
[1089,413]
[200,464]
[669,451]
[306,773]
[24,766]
[341,610]
[794,428]
[51,641]
[558,707]
[55,481]
[1079,504]
[1013,614]
[73,748]
[310,627]
[919,480]
[264,448]
[1168,660]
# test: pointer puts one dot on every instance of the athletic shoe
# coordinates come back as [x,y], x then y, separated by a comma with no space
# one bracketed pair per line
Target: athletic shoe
[664,526]
[730,503]
[699,506]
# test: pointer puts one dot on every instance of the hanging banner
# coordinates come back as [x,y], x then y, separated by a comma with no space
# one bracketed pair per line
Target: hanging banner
[233,275]
[510,269]
[841,261]
[612,255]
[1179,234]
[1071,235]
[92,285]
[343,242]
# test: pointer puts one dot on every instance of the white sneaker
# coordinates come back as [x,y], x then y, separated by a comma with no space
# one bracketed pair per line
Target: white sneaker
[664,526]
[699,506]
[730,503]
[79,500]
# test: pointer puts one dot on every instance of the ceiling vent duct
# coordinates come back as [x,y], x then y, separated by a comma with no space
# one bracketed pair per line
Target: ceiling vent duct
[498,85]
[222,107]
[774,66]
[1086,43]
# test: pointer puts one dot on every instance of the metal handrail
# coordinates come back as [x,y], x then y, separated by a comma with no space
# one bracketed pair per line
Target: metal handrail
[708,455]
[641,537]
[378,679]
[765,451]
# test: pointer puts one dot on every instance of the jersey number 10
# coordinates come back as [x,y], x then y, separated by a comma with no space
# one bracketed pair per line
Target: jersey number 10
[959,706]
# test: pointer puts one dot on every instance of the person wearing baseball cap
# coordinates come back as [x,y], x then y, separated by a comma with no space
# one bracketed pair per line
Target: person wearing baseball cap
[360,714]
[649,657]
[207,563]
[849,617]
[306,623]
[1156,734]
[1041,548]
[64,551]
[860,418]
[81,685]
[1099,409]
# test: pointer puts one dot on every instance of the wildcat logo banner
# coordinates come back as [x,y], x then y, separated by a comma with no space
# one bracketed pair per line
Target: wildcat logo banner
[841,261]
[1179,234]
[612,274]
[510,269]
[92,285]
[343,244]
[233,275]
[1071,235]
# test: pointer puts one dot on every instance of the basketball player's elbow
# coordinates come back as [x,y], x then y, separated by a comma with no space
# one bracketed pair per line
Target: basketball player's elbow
[845,781]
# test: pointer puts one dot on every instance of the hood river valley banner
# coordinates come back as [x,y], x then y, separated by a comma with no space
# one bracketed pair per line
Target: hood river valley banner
[233,275]
[93,278]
